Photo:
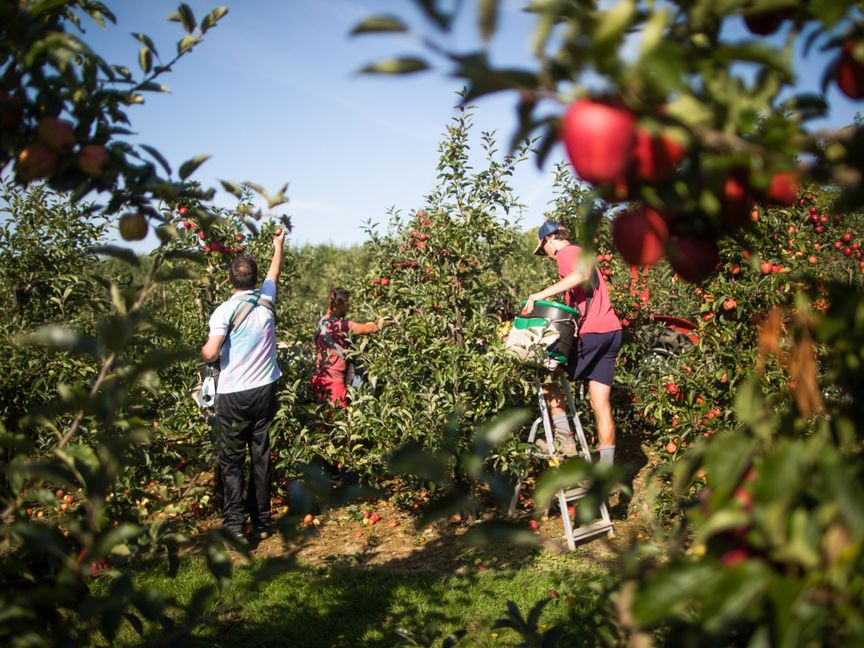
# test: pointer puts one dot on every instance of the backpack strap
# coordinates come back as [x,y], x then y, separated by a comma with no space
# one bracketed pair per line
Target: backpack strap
[248,303]
[323,331]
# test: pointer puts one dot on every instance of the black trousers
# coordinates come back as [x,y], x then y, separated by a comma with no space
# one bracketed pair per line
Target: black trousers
[244,421]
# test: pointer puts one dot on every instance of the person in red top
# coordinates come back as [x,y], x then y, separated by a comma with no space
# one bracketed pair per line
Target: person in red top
[331,343]
[598,336]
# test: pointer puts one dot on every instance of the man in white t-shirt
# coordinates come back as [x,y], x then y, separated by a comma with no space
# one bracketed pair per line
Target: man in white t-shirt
[246,391]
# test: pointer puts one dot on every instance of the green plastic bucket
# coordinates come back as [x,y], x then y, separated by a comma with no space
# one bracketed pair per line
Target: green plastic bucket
[545,336]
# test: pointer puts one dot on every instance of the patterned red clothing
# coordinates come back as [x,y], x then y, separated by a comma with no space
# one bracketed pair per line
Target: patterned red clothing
[602,318]
[328,378]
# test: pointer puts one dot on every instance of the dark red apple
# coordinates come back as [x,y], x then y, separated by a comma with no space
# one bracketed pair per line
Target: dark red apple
[849,72]
[35,161]
[783,188]
[598,138]
[655,156]
[640,236]
[92,159]
[737,199]
[133,227]
[57,134]
[694,257]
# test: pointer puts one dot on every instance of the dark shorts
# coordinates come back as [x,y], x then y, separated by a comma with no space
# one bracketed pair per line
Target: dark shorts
[593,357]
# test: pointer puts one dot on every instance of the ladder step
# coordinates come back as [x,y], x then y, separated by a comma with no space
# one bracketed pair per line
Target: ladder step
[573,494]
[595,528]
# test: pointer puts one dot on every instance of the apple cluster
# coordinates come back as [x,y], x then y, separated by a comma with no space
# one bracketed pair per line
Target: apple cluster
[210,240]
[52,139]
[609,148]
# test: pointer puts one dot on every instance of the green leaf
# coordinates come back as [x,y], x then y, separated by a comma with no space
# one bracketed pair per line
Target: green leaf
[145,59]
[405,65]
[158,157]
[551,481]
[60,338]
[184,16]
[487,14]
[108,541]
[145,40]
[233,188]
[116,252]
[652,35]
[613,22]
[189,166]
[212,18]
[187,43]
[379,24]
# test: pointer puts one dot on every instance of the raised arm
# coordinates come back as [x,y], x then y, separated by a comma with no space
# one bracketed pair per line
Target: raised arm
[276,262]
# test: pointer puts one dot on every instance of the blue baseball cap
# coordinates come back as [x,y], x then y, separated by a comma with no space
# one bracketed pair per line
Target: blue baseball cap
[546,229]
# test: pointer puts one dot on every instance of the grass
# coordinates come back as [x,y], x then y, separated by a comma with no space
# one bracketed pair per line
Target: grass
[345,606]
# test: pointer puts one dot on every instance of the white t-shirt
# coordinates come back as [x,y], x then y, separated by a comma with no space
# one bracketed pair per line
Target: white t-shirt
[248,357]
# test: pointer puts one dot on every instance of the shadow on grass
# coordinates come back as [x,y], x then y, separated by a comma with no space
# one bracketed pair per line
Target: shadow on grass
[358,606]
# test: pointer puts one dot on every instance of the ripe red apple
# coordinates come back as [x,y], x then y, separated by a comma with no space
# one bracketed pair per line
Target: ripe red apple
[694,257]
[672,446]
[534,524]
[847,251]
[766,267]
[819,229]
[849,72]
[598,138]
[736,200]
[729,304]
[847,237]
[57,134]
[783,188]
[10,111]
[838,245]
[385,281]
[640,235]
[133,227]
[35,161]
[811,259]
[735,556]
[671,388]
[764,23]
[655,156]
[92,159]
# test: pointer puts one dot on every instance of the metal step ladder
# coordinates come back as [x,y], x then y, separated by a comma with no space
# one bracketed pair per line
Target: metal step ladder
[566,496]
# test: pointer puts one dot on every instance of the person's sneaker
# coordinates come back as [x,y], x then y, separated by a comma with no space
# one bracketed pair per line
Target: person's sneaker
[260,534]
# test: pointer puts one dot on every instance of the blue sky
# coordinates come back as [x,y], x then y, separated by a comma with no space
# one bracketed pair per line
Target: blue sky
[273,96]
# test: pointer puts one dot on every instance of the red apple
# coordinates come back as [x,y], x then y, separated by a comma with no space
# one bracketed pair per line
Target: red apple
[783,188]
[764,23]
[672,446]
[766,267]
[819,229]
[385,281]
[57,134]
[10,111]
[737,200]
[133,227]
[640,236]
[534,524]
[182,209]
[849,72]
[671,388]
[92,159]
[838,245]
[694,257]
[35,161]
[735,557]
[598,138]
[655,156]
[729,304]
[847,251]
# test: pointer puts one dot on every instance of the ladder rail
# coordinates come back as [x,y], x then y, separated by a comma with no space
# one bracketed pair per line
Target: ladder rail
[565,496]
